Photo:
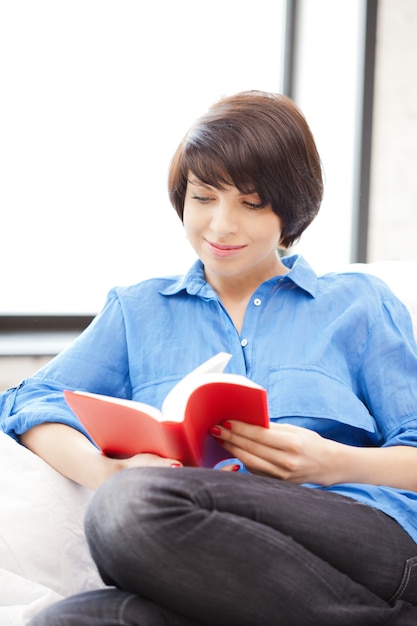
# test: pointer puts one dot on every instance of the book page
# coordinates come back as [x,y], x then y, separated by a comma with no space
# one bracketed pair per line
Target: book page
[216,363]
[130,404]
[175,403]
[173,406]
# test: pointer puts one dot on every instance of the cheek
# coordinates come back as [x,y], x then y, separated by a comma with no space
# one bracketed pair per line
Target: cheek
[193,221]
[186,218]
[189,223]
[275,228]
[268,232]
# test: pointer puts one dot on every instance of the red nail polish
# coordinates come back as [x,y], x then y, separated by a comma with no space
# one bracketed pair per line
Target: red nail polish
[215,430]
[227,425]
[175,465]
[235,468]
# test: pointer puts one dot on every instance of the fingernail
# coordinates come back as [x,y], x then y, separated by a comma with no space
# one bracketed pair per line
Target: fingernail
[215,430]
[227,425]
[175,465]
[235,468]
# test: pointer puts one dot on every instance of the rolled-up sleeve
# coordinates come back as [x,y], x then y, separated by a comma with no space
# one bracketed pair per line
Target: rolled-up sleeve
[389,374]
[97,361]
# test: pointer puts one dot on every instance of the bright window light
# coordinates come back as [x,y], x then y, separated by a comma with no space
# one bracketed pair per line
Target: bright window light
[96,95]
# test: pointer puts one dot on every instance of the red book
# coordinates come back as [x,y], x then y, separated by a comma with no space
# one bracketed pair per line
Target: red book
[204,398]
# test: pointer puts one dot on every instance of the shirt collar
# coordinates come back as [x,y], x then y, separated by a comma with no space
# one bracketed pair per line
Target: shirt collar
[301,273]
[194,282]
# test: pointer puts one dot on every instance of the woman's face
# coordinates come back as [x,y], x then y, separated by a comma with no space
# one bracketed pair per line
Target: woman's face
[234,234]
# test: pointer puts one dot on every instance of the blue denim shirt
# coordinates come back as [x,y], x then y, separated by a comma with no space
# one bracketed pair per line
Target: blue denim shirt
[336,354]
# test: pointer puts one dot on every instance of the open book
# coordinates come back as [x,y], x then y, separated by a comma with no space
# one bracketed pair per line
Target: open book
[205,397]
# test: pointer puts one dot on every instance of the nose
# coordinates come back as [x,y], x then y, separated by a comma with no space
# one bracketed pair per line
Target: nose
[224,218]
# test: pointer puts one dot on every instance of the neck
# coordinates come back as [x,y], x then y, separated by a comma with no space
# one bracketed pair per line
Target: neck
[240,288]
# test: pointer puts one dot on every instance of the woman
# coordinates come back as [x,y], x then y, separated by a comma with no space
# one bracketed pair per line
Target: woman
[320,526]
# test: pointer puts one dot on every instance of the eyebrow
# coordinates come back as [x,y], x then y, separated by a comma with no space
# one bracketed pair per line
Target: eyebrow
[197,181]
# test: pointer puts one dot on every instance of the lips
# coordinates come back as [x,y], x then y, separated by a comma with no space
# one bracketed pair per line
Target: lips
[224,250]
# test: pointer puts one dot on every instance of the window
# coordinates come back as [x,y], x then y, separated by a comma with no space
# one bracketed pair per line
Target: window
[327,85]
[95,98]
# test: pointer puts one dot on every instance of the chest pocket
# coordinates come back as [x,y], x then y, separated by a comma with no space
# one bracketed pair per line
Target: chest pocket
[313,399]
[153,392]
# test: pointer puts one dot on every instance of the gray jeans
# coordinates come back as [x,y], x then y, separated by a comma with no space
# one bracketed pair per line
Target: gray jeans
[193,547]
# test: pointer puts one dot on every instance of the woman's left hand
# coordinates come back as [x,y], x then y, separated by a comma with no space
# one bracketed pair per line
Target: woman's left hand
[288,452]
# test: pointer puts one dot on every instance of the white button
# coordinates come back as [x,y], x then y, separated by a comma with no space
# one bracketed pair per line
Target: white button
[257,302]
[244,343]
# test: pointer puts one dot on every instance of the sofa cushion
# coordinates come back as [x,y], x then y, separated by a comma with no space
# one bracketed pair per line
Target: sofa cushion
[43,550]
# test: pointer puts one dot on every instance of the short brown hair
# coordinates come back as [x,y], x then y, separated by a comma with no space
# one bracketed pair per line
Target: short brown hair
[259,142]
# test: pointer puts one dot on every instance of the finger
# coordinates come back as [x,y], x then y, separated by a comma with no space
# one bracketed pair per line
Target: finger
[286,438]
[250,452]
[280,455]
[278,452]
[253,431]
[234,467]
[229,430]
[275,467]
[169,462]
[252,438]
[235,443]
[152,460]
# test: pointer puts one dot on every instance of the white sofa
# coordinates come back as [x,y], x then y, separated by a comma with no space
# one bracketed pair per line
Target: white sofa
[43,554]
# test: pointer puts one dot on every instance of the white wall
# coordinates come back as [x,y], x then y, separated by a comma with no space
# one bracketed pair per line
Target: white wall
[96,95]
[82,86]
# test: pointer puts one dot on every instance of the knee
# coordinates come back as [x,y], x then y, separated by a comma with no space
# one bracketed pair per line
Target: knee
[142,503]
[133,502]
[142,496]
[121,500]
[131,522]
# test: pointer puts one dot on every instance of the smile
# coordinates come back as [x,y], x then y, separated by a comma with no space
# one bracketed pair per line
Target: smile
[223,250]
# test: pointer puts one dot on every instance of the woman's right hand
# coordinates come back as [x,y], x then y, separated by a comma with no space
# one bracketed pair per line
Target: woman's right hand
[70,452]
[148,460]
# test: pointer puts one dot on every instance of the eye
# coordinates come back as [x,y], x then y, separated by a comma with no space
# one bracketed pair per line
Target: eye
[255,205]
[202,199]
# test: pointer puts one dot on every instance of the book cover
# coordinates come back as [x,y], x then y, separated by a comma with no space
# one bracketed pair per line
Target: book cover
[204,398]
